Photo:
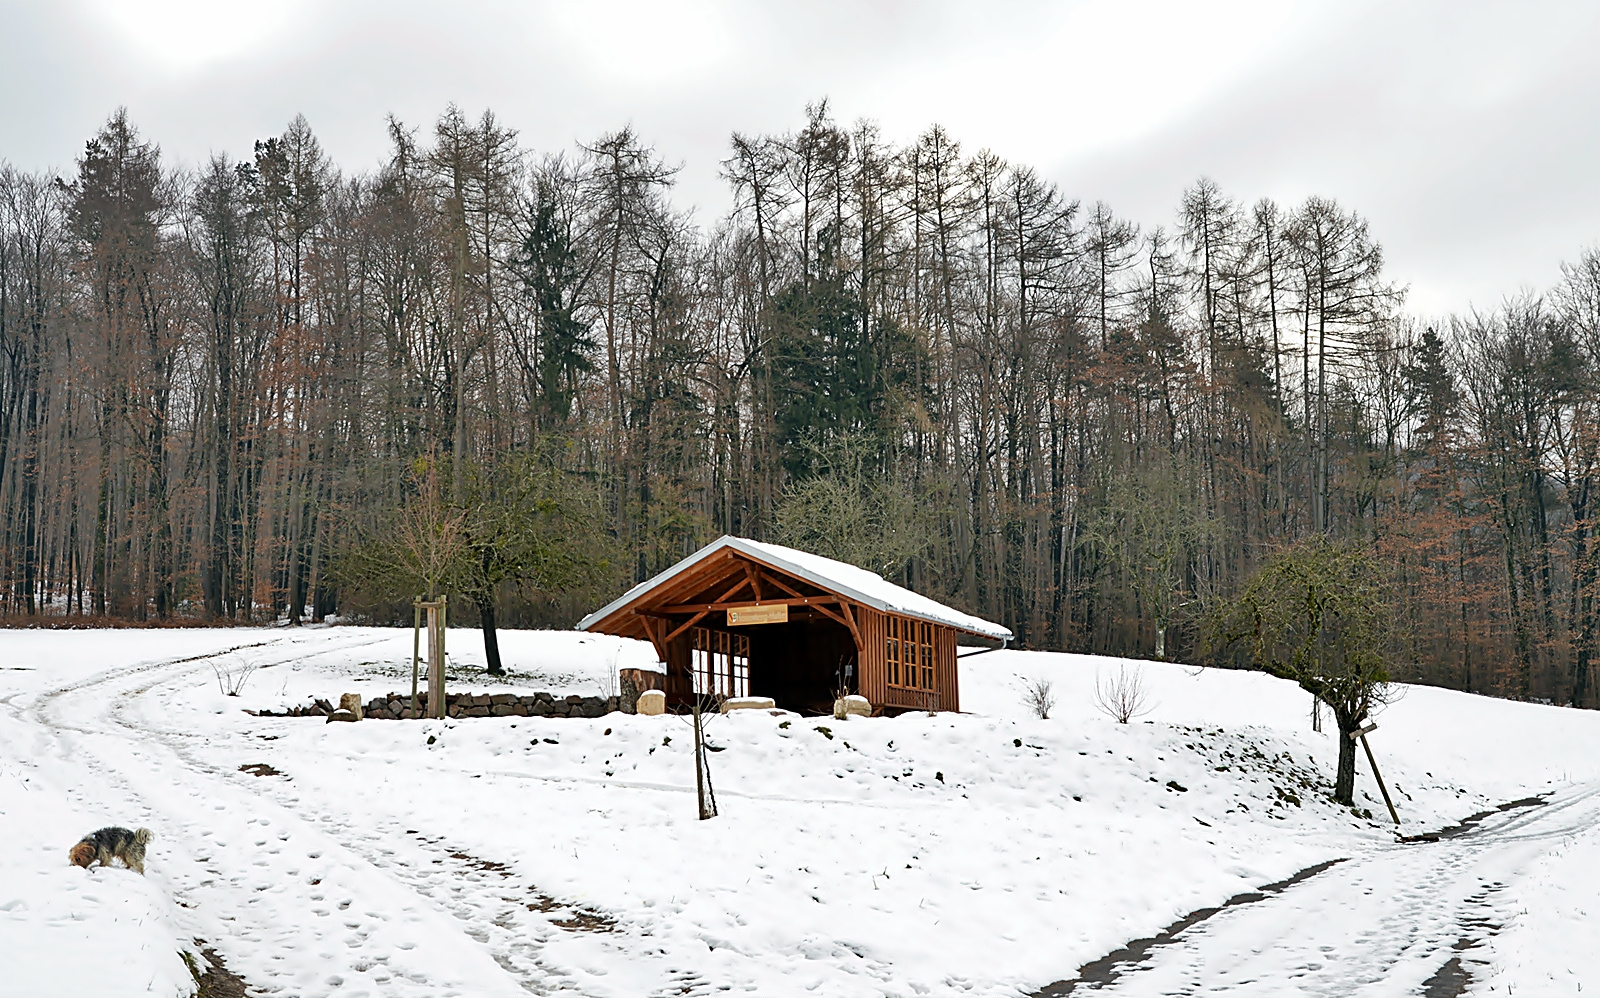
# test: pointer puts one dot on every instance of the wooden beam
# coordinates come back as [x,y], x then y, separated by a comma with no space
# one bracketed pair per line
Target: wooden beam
[732,589]
[650,629]
[850,622]
[724,604]
[831,615]
[782,585]
[754,575]
[686,625]
[698,616]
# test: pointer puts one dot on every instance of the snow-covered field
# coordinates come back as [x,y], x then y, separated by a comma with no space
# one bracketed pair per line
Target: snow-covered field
[984,853]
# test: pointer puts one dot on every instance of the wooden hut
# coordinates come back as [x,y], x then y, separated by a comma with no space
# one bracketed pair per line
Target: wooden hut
[744,618]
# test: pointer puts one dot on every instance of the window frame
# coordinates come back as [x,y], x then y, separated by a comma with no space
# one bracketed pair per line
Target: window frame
[918,673]
[719,662]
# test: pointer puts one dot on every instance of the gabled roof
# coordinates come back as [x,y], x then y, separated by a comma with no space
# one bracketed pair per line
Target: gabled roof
[858,584]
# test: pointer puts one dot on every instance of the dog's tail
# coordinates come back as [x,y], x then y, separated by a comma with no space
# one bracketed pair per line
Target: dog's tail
[142,836]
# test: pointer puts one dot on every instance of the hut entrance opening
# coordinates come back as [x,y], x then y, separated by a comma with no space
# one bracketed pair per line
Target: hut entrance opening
[804,663]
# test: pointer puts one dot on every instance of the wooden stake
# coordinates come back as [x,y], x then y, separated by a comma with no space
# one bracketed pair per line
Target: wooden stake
[436,631]
[1371,761]
[416,643]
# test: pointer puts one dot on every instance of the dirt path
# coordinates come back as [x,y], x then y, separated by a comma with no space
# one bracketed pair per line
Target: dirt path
[298,894]
[1403,920]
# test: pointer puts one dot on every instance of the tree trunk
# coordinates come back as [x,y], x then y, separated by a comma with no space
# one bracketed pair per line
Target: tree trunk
[491,640]
[1344,787]
[702,778]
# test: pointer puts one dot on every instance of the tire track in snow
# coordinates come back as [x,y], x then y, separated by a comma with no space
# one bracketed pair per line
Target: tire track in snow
[244,872]
[1401,919]
[513,929]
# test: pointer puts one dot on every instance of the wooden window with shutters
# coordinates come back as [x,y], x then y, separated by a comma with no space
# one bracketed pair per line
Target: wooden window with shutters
[720,662]
[909,654]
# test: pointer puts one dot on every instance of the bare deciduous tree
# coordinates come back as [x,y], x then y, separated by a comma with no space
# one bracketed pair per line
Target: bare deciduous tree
[1122,697]
[1038,695]
[217,381]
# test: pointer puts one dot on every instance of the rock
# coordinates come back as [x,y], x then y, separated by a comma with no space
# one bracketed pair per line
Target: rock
[853,704]
[747,703]
[455,711]
[502,699]
[574,700]
[633,682]
[502,710]
[520,710]
[351,702]
[652,703]
[342,715]
[540,708]
[475,712]
[544,697]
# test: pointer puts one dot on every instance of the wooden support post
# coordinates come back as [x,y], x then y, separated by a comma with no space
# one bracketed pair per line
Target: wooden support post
[416,650]
[436,632]
[1373,762]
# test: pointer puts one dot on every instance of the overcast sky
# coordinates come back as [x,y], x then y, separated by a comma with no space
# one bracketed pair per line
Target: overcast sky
[1468,133]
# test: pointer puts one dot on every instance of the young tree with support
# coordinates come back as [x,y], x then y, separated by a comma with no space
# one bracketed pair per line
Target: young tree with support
[1319,614]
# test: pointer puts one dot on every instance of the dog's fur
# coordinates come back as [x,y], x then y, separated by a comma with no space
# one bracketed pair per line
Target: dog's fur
[111,843]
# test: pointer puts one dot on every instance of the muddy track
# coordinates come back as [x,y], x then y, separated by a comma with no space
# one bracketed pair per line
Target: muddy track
[1406,919]
[1119,963]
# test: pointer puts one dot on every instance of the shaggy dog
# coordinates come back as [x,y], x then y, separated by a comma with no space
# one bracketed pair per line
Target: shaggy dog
[112,843]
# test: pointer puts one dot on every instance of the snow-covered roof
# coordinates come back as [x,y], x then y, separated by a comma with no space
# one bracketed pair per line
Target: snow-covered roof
[858,584]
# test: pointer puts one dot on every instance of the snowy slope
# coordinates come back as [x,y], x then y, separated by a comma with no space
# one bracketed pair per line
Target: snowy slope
[977,853]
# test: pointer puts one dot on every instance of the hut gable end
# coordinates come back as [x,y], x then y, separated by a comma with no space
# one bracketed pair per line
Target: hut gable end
[740,618]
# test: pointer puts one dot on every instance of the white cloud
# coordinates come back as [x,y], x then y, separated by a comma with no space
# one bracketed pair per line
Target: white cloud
[179,36]
[1057,83]
[631,42]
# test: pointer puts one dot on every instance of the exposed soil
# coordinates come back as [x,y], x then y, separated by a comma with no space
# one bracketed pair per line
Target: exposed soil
[575,917]
[1104,971]
[218,981]
[1470,823]
[1450,981]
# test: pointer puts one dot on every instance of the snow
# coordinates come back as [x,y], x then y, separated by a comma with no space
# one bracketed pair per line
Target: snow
[836,576]
[1548,945]
[986,853]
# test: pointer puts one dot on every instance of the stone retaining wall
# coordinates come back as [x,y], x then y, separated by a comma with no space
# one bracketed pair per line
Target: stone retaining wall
[394,706]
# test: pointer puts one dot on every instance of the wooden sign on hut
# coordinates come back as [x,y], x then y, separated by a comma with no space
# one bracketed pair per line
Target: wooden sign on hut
[744,618]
